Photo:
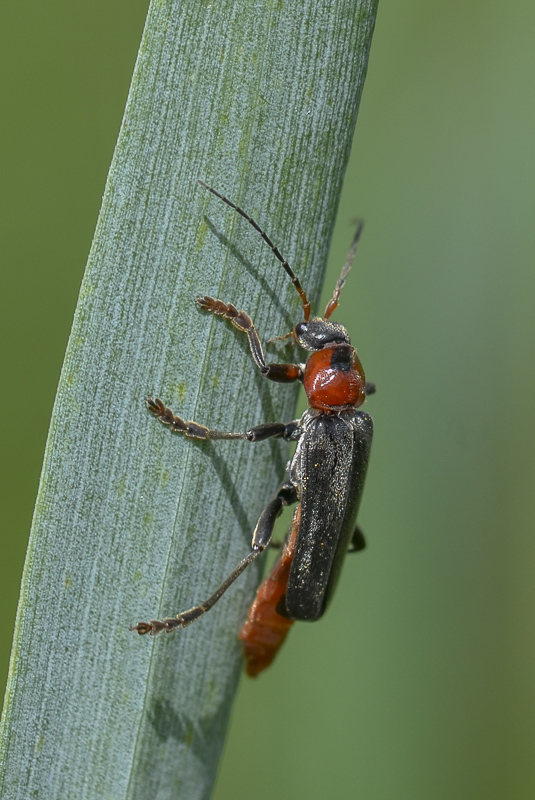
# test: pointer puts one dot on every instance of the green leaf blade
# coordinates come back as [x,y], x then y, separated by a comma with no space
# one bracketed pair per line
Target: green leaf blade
[132,522]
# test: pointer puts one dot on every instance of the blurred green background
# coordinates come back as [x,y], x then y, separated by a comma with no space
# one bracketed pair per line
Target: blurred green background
[419,682]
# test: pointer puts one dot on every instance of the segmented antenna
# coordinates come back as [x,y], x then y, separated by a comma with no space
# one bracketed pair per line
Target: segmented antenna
[333,303]
[265,237]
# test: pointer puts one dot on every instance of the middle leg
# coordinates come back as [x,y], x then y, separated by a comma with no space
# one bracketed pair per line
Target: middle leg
[258,433]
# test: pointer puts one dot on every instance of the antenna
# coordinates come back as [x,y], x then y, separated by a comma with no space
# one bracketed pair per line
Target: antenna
[333,303]
[265,237]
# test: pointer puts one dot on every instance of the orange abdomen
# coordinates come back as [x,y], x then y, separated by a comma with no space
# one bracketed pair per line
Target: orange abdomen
[265,630]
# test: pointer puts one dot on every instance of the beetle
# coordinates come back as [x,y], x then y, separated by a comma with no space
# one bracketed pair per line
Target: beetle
[325,476]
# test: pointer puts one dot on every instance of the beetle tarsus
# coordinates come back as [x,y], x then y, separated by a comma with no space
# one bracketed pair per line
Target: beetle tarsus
[175,423]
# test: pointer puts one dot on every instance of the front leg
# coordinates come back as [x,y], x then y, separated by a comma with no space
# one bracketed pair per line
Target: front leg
[282,373]
[268,430]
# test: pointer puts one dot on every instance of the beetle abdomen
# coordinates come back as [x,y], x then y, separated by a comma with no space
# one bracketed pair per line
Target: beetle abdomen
[265,629]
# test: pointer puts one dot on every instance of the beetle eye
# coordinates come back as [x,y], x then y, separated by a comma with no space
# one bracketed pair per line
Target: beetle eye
[301,328]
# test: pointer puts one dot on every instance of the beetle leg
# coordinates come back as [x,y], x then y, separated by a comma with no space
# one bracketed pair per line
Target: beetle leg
[282,373]
[268,430]
[264,527]
[370,388]
[358,542]
[261,538]
[273,430]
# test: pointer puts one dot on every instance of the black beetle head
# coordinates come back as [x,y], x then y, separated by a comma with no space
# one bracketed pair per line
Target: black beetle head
[318,333]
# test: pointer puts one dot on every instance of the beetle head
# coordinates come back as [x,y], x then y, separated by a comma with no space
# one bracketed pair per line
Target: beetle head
[317,333]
